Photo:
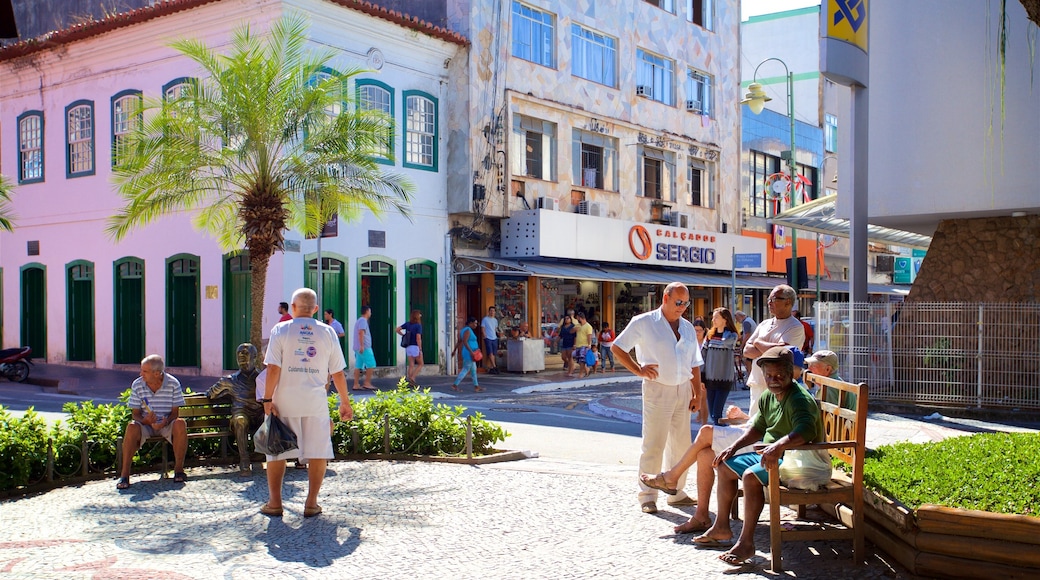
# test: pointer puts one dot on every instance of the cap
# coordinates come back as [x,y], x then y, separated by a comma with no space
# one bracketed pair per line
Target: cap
[823,356]
[797,357]
[777,354]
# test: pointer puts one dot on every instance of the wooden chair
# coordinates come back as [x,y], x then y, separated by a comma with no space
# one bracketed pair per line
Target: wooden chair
[843,408]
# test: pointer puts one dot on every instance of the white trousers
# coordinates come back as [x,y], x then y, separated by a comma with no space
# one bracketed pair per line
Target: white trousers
[666,431]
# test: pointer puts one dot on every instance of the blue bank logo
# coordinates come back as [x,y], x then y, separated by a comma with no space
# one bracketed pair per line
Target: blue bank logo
[845,11]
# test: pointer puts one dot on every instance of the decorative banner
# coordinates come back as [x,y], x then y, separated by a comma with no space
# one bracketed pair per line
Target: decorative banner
[779,237]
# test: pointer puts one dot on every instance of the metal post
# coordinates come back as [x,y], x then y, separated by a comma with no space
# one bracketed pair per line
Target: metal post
[733,280]
[317,290]
[386,434]
[84,455]
[469,437]
[791,166]
[50,460]
[978,360]
[819,255]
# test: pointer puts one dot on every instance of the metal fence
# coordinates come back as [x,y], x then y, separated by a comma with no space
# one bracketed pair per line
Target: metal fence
[949,354]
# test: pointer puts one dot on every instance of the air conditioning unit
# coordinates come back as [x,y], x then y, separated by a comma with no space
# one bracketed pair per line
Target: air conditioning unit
[884,264]
[547,203]
[693,105]
[644,91]
[593,208]
[680,219]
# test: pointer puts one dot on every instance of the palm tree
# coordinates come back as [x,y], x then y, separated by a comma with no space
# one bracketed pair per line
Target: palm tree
[6,192]
[263,142]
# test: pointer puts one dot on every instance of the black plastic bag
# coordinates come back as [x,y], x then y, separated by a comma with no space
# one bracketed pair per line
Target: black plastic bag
[274,438]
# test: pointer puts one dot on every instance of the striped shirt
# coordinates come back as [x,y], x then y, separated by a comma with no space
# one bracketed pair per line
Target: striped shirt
[162,401]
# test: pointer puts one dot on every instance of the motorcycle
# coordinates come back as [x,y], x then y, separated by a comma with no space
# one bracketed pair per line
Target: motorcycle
[14,363]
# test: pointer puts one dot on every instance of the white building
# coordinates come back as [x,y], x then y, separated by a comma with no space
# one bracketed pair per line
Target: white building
[75,296]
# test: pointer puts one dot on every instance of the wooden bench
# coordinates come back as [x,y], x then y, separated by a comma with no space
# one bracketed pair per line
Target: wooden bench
[204,417]
[843,409]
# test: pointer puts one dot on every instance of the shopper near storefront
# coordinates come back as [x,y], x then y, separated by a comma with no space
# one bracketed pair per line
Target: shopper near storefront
[489,326]
[606,340]
[583,334]
[668,359]
[566,330]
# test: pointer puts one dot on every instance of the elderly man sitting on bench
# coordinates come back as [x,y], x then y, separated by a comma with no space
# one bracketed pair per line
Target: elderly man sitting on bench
[787,416]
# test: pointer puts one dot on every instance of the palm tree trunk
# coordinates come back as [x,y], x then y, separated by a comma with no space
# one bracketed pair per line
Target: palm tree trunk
[258,262]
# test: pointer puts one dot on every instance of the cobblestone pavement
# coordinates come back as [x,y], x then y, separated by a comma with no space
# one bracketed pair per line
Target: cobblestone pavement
[527,519]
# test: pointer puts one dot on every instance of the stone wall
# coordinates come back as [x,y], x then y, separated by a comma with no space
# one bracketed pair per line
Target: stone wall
[947,354]
[994,260]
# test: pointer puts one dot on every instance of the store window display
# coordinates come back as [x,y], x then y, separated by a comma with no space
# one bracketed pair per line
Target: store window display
[511,300]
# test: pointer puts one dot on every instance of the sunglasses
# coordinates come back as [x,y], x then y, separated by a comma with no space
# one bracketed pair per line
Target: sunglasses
[682,303]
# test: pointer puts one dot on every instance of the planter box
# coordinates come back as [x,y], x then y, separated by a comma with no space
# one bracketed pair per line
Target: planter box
[953,543]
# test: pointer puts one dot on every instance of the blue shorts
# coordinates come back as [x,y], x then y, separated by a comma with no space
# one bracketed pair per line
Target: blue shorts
[491,345]
[365,360]
[749,462]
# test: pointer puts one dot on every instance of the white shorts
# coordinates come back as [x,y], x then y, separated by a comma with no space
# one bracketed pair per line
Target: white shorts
[312,435]
[412,350]
[722,436]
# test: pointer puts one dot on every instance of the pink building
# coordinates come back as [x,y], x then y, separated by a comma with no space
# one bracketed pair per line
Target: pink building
[78,297]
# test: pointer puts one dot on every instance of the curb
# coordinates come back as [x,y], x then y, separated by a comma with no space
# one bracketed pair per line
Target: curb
[499,457]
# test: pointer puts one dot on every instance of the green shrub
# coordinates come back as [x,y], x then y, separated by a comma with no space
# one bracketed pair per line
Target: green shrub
[994,472]
[101,424]
[417,425]
[23,448]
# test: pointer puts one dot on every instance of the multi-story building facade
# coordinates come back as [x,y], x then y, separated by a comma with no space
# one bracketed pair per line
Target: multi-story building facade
[792,37]
[596,157]
[76,296]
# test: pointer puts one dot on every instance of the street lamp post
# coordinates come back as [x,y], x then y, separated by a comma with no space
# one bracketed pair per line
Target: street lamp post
[756,99]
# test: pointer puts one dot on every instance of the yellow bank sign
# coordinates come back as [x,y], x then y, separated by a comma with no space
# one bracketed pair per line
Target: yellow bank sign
[847,20]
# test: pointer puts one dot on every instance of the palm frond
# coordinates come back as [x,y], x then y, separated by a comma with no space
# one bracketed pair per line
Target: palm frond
[6,199]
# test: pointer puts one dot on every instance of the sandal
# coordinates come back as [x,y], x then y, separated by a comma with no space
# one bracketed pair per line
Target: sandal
[123,483]
[658,482]
[456,388]
[310,512]
[735,560]
[274,512]
[478,389]
[180,477]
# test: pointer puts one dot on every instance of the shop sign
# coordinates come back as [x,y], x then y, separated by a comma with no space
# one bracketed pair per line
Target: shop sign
[671,245]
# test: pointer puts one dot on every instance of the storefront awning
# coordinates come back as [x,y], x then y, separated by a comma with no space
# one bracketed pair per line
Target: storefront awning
[604,273]
[834,286]
[818,216]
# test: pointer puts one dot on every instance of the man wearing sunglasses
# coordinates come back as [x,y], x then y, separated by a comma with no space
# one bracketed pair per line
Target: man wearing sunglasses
[782,329]
[668,359]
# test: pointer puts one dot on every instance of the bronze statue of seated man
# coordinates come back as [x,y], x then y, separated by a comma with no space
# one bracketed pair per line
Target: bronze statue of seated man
[246,412]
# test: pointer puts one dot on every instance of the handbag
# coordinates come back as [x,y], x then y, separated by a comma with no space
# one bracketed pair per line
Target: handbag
[718,364]
[274,437]
[477,356]
[404,338]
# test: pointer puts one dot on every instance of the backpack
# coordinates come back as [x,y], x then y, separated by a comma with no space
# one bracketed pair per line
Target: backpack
[590,357]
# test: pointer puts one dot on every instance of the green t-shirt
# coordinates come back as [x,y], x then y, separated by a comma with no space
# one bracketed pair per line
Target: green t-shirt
[797,413]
